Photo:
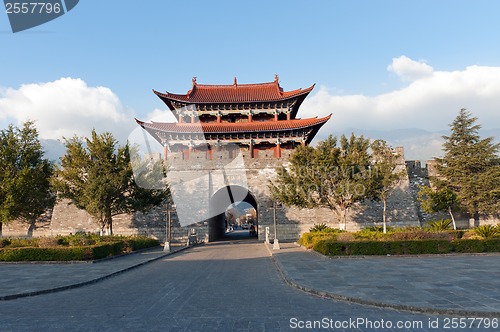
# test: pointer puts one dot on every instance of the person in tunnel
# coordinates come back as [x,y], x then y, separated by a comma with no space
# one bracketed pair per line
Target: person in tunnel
[253,231]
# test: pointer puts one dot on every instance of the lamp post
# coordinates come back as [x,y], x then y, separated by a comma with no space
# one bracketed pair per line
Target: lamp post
[168,235]
[276,244]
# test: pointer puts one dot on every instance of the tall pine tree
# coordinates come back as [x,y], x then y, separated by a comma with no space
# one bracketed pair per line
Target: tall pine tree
[470,166]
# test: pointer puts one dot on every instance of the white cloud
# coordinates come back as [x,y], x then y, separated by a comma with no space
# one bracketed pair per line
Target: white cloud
[430,102]
[409,70]
[66,107]
[159,115]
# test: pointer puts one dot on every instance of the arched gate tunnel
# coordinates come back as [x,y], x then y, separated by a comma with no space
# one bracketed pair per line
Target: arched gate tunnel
[219,203]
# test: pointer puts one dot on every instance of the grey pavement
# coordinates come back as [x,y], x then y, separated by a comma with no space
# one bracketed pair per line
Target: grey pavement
[227,286]
[239,286]
[29,279]
[465,285]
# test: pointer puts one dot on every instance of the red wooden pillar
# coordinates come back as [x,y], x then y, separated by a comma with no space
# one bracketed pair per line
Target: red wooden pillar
[187,153]
[288,116]
[250,119]
[165,151]
[251,148]
[277,149]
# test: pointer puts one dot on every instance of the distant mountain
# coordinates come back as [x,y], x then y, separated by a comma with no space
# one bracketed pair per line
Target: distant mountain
[54,149]
[419,144]
[491,132]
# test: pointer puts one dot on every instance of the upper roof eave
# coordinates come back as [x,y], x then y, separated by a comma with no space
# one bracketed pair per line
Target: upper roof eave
[266,126]
[238,93]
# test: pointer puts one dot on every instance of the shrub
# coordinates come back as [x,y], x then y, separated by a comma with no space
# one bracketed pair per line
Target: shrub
[380,229]
[308,239]
[371,233]
[82,239]
[18,243]
[320,228]
[4,243]
[415,234]
[439,225]
[106,250]
[44,242]
[456,234]
[140,242]
[345,237]
[487,231]
[470,234]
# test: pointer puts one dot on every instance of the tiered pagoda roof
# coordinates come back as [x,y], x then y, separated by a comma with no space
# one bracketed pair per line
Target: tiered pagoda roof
[235,93]
[206,98]
[208,129]
[242,127]
[254,116]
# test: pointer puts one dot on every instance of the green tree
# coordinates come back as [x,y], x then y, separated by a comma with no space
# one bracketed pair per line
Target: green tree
[443,199]
[25,189]
[334,175]
[97,176]
[385,173]
[468,165]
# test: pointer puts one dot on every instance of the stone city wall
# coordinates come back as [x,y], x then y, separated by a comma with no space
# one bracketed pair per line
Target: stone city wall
[402,208]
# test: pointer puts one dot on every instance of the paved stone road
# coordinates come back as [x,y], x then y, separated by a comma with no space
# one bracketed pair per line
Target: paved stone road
[217,287]
[468,285]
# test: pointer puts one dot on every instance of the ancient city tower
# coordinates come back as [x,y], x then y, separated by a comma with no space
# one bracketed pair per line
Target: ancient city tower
[227,141]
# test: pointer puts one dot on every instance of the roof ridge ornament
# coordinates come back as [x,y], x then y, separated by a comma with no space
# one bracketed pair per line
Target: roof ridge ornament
[235,82]
[277,83]
[194,80]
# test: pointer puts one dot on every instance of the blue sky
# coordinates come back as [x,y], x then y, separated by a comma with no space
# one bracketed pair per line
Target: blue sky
[378,65]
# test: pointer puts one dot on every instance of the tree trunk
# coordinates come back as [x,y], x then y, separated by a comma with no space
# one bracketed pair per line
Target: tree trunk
[384,217]
[1,227]
[452,218]
[31,228]
[103,228]
[109,223]
[343,219]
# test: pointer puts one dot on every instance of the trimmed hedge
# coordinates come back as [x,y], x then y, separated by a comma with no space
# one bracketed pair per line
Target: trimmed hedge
[138,243]
[474,245]
[334,248]
[410,241]
[76,253]
[415,247]
[27,254]
[411,247]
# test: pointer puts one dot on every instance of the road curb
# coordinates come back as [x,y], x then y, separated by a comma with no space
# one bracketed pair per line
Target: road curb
[89,282]
[400,307]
